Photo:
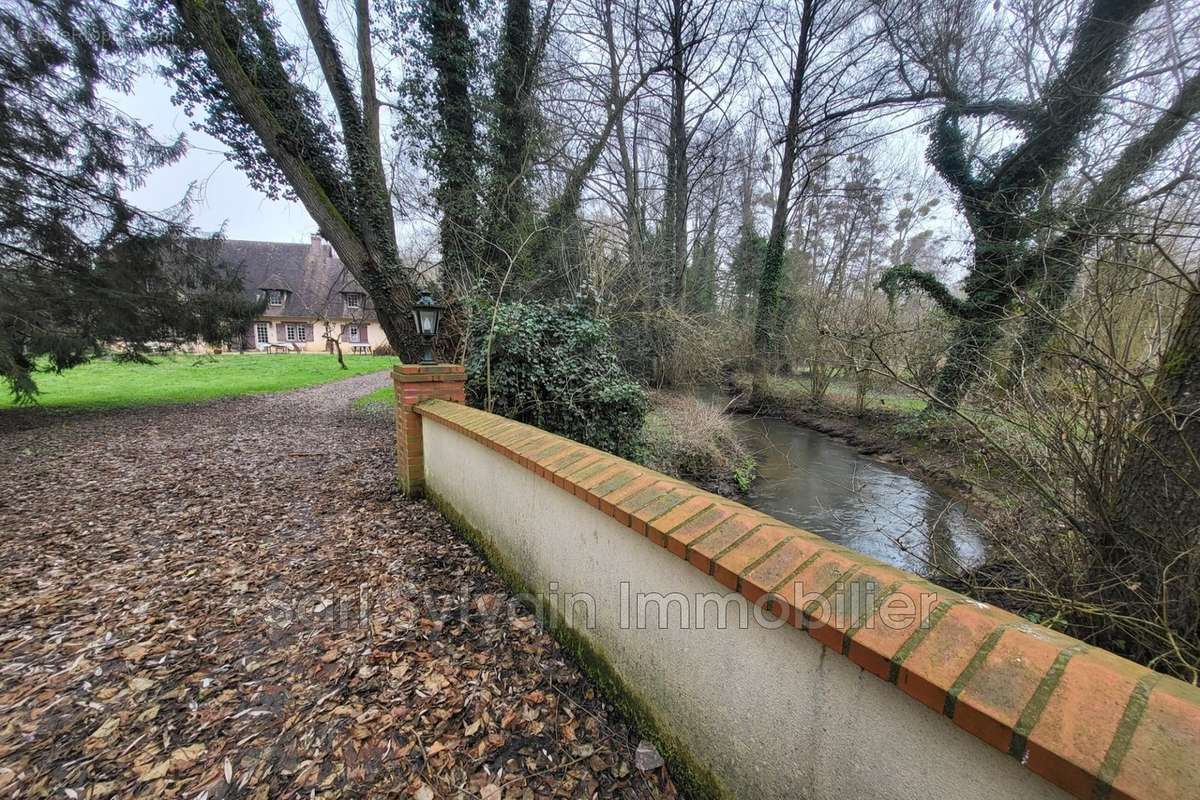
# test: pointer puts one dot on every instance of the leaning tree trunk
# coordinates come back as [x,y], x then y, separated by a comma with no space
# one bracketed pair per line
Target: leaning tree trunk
[1061,260]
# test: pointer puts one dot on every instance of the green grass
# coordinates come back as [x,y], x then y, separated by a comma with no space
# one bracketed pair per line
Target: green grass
[385,395]
[841,394]
[188,378]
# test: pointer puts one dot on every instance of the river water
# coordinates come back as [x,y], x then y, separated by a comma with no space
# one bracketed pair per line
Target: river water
[815,482]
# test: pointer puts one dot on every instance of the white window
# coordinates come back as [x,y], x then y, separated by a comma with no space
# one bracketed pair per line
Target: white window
[354,333]
[261,332]
[296,332]
[275,297]
[353,300]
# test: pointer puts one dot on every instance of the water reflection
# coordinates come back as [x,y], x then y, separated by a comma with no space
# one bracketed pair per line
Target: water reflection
[815,482]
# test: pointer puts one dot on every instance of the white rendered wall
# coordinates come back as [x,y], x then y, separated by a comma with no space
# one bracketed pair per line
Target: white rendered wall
[770,712]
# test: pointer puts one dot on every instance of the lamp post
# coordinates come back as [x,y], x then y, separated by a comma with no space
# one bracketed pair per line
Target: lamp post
[427,316]
[416,384]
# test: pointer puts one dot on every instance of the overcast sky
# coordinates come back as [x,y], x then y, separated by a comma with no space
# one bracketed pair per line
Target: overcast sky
[223,195]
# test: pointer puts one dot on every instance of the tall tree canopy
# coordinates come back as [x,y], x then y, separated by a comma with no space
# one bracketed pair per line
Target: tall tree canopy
[1024,236]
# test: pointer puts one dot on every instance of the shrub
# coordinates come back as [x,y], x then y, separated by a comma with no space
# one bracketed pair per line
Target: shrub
[383,350]
[554,366]
[690,438]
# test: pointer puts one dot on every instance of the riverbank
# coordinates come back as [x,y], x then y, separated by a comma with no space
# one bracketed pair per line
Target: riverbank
[1021,535]
[945,453]
[690,439]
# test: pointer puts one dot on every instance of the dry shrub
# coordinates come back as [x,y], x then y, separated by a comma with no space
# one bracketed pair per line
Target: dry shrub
[1104,437]
[694,439]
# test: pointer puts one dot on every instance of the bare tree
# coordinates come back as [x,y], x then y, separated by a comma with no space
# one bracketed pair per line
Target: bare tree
[1007,196]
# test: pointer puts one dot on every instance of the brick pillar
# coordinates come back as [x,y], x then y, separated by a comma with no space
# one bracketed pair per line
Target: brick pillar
[414,383]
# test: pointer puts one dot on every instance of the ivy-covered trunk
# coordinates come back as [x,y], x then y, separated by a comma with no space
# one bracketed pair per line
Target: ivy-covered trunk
[509,214]
[769,323]
[452,55]
[966,358]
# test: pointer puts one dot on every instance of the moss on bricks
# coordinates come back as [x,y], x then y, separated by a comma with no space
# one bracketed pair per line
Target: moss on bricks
[696,780]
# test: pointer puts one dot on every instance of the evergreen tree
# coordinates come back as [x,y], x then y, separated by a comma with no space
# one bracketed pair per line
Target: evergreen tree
[81,268]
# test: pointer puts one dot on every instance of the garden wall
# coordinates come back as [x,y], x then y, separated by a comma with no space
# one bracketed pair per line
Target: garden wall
[772,663]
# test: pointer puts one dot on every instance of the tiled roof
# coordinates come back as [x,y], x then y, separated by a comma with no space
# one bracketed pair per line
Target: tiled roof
[312,275]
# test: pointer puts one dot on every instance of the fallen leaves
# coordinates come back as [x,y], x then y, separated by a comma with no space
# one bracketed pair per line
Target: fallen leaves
[187,611]
[106,729]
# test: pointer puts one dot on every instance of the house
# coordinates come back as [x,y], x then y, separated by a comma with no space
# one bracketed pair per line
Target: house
[311,298]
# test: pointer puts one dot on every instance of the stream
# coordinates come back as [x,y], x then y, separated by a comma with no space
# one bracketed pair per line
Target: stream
[815,482]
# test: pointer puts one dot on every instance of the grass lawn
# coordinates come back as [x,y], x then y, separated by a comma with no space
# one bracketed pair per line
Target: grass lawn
[385,395]
[188,378]
[841,393]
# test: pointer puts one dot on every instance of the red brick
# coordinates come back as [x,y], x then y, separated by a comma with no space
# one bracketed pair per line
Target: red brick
[555,446]
[729,566]
[680,537]
[415,384]
[613,468]
[1080,719]
[992,700]
[640,519]
[702,550]
[1163,759]
[645,497]
[900,615]
[533,445]
[608,502]
[764,577]
[657,529]
[573,453]
[562,476]
[829,572]
[587,473]
[944,652]
[624,474]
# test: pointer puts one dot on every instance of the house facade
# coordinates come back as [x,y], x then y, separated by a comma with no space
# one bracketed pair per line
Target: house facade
[312,299]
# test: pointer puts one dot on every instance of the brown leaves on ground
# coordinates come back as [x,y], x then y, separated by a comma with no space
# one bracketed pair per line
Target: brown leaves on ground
[231,601]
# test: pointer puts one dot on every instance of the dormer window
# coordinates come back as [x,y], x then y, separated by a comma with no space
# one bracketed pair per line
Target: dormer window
[353,300]
[276,297]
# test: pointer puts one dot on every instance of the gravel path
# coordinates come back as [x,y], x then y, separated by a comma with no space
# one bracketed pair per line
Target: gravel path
[230,600]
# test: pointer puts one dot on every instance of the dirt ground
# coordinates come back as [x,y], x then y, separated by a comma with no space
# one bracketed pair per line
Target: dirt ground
[230,600]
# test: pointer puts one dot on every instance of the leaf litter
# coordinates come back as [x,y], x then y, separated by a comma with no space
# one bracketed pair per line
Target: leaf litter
[230,600]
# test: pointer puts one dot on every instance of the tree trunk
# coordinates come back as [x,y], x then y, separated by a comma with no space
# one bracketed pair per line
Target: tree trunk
[508,212]
[1152,541]
[354,215]
[675,202]
[452,55]
[1051,128]
[1061,260]
[768,326]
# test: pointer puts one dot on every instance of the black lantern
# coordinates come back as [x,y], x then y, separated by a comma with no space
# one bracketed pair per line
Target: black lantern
[427,316]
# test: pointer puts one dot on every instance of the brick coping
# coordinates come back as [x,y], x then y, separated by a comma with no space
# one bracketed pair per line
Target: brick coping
[1092,723]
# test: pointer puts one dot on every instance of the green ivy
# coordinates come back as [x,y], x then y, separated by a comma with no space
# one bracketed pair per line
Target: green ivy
[554,366]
